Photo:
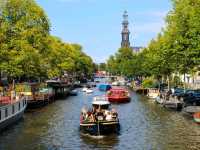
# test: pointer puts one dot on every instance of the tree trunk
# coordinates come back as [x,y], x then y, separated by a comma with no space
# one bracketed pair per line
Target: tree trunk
[168,78]
[184,82]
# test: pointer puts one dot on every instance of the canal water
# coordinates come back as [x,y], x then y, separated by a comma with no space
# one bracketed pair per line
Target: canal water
[144,125]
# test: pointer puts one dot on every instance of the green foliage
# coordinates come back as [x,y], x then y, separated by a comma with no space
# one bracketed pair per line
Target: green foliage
[175,50]
[121,63]
[28,50]
[149,83]
[177,81]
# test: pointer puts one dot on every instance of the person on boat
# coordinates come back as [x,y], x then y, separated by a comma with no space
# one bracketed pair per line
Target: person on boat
[109,116]
[82,117]
[99,115]
[114,113]
[91,118]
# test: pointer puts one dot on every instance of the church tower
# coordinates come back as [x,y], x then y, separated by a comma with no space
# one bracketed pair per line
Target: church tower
[125,31]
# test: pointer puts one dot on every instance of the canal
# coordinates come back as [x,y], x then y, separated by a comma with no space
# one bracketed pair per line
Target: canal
[144,125]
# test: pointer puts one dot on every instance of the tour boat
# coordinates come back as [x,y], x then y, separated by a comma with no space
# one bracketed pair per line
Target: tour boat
[101,120]
[104,87]
[196,117]
[11,110]
[118,95]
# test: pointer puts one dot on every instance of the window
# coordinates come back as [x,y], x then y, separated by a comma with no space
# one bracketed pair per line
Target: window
[13,109]
[6,112]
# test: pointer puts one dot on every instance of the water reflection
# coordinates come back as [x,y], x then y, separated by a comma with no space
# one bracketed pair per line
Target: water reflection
[103,142]
[144,125]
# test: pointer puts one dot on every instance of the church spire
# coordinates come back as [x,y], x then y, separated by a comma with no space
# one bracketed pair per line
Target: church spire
[125,31]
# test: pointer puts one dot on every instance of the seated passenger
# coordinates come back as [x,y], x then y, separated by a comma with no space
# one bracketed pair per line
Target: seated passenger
[91,118]
[114,113]
[108,116]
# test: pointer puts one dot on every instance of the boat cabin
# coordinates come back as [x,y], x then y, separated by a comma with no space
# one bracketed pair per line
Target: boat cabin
[101,103]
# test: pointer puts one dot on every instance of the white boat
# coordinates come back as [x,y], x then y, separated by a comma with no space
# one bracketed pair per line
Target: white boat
[88,91]
[159,100]
[102,120]
[115,83]
[153,93]
[11,110]
[84,89]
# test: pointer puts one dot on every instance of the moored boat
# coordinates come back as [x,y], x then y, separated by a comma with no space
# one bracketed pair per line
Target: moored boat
[104,87]
[101,120]
[153,93]
[37,95]
[191,110]
[84,89]
[11,110]
[196,117]
[89,90]
[175,105]
[73,92]
[118,95]
[115,83]
[159,100]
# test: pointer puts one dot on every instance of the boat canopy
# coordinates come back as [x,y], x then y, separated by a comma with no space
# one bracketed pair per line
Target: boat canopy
[104,87]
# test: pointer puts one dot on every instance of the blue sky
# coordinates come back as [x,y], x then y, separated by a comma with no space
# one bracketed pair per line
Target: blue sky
[96,24]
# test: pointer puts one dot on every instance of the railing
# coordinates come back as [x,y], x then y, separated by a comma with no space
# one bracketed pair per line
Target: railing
[11,109]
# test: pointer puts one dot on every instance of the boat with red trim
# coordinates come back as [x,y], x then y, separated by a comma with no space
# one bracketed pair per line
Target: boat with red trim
[101,120]
[196,117]
[11,110]
[118,95]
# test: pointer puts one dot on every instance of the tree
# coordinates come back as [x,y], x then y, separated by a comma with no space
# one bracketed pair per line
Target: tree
[24,27]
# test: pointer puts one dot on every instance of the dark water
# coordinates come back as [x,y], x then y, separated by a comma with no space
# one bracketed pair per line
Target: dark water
[144,125]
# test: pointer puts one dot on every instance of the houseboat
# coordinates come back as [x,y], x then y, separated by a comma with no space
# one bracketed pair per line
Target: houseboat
[118,95]
[104,87]
[11,110]
[37,95]
[101,120]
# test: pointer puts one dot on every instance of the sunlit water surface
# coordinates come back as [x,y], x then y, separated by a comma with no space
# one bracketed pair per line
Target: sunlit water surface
[144,125]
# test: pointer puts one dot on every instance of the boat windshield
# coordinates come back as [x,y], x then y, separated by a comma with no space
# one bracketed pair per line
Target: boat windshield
[101,106]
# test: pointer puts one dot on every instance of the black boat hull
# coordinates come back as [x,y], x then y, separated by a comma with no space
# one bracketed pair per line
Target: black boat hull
[8,122]
[100,128]
[36,104]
